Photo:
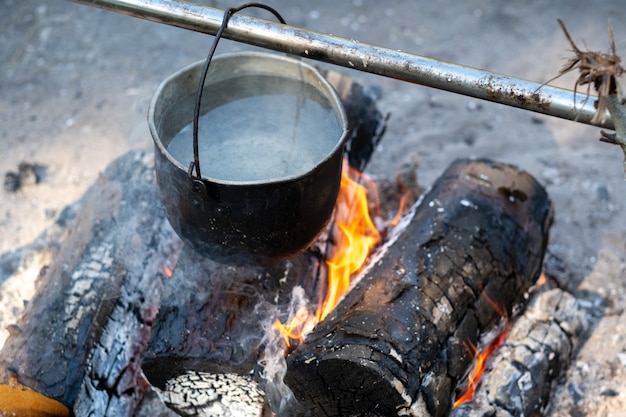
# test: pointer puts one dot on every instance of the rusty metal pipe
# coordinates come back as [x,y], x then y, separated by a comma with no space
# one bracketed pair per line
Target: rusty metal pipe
[365,57]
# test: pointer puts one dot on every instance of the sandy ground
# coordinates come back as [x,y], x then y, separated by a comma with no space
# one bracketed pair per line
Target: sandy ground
[75,83]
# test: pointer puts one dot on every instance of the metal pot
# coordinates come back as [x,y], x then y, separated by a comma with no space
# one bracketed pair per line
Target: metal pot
[258,219]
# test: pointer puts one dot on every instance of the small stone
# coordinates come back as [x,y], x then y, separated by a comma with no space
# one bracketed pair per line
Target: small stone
[27,173]
[609,392]
[32,173]
[474,106]
[469,138]
[12,182]
[576,392]
[601,192]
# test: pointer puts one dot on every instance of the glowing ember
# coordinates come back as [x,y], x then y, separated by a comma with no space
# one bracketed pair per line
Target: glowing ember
[541,281]
[167,271]
[480,363]
[481,358]
[355,235]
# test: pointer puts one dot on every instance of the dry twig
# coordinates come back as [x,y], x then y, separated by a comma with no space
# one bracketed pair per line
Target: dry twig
[602,70]
[597,68]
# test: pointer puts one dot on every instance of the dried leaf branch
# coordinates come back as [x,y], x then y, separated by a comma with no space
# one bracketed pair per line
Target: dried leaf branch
[602,71]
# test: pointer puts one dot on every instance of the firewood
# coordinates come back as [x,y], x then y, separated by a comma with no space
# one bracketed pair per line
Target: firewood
[538,348]
[211,314]
[365,121]
[396,343]
[80,339]
[218,395]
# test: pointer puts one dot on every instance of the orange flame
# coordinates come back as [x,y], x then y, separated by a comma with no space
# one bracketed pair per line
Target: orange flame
[355,235]
[396,219]
[480,364]
[541,281]
[481,358]
[298,326]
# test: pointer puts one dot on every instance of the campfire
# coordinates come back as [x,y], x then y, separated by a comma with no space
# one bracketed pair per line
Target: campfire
[354,235]
[376,318]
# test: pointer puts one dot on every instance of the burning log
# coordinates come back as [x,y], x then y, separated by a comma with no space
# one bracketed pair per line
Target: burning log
[538,348]
[211,314]
[396,343]
[80,338]
[218,395]
[365,122]
[193,330]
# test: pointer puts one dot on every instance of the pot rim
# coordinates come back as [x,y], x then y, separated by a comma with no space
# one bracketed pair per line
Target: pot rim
[329,92]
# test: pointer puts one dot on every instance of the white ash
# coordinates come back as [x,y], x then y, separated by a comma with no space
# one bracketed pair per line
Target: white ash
[205,394]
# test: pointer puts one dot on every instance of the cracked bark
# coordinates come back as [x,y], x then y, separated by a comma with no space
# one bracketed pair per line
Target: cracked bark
[395,344]
[211,314]
[80,338]
[523,374]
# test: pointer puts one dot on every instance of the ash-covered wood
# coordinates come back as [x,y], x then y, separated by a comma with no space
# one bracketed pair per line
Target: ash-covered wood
[524,372]
[218,395]
[79,341]
[21,269]
[114,382]
[395,344]
[365,121]
[212,315]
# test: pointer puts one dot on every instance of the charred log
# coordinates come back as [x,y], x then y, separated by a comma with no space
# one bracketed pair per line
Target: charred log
[218,395]
[395,345]
[80,338]
[212,315]
[523,374]
[365,122]
[82,335]
[114,383]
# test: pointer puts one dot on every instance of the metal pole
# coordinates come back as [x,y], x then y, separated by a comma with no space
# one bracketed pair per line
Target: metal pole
[365,57]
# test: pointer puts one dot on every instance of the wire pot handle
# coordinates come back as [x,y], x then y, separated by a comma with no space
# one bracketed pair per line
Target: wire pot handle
[195,164]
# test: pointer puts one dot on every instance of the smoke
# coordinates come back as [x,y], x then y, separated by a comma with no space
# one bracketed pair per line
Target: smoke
[273,358]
